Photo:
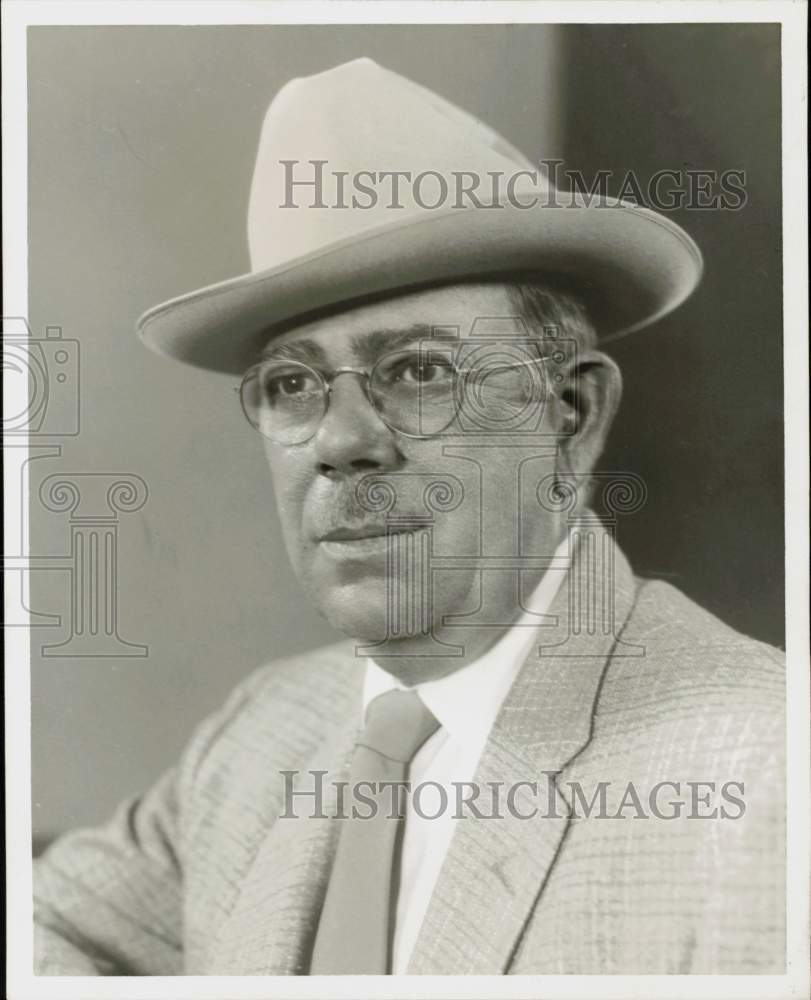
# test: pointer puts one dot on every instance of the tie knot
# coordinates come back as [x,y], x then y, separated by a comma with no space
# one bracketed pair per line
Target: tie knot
[397,725]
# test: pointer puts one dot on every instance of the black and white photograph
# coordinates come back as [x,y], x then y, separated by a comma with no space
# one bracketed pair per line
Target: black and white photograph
[406,463]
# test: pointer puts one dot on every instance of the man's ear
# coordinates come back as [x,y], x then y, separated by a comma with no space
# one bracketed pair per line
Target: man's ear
[587,401]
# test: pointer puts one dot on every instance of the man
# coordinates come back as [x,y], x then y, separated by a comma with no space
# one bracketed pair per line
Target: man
[524,760]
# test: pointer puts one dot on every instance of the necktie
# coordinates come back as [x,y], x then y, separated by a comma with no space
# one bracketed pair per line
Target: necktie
[355,930]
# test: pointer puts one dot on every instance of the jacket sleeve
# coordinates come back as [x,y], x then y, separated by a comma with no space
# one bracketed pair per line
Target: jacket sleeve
[109,901]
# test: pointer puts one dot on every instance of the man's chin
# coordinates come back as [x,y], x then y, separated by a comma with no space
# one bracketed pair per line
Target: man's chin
[359,610]
[370,606]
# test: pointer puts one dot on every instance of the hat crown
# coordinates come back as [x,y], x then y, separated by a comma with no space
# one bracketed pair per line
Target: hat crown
[358,146]
[366,126]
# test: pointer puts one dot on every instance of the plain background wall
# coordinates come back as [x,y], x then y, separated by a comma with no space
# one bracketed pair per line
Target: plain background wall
[141,149]
[702,415]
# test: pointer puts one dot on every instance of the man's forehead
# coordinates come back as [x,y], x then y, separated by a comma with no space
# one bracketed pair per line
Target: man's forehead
[450,310]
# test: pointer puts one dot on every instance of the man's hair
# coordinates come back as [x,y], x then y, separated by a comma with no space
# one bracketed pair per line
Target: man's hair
[542,305]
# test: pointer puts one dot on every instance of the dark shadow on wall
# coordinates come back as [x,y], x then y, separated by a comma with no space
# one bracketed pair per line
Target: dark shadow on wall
[702,418]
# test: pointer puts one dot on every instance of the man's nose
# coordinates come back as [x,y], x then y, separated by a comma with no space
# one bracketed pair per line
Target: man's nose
[351,437]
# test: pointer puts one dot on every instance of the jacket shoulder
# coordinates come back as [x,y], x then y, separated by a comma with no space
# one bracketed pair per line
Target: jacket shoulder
[673,620]
[677,664]
[310,688]
[670,624]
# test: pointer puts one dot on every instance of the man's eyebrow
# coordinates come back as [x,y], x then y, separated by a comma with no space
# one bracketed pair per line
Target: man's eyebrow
[306,351]
[367,347]
[370,347]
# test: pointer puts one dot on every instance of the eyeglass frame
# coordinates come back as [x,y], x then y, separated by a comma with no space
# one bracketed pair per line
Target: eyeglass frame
[328,377]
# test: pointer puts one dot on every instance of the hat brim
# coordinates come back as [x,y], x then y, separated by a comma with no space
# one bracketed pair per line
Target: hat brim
[629,265]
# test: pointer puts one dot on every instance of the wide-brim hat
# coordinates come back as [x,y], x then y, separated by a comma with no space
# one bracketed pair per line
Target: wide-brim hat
[367,183]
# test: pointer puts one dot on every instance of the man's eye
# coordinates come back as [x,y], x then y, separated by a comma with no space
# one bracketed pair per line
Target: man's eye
[418,370]
[290,385]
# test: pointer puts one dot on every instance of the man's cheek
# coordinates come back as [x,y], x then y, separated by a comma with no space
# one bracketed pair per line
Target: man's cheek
[290,492]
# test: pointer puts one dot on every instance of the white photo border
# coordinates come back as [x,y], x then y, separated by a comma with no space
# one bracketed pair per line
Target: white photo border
[17,16]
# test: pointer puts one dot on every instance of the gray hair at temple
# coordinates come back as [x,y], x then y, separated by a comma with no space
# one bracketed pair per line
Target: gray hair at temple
[541,304]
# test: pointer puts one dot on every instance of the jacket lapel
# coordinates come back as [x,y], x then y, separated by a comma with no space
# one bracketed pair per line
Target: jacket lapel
[271,928]
[495,869]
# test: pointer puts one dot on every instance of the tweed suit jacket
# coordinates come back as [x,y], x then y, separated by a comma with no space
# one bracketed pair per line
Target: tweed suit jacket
[200,875]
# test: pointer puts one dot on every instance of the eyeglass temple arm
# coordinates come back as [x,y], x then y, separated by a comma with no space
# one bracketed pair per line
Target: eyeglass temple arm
[501,368]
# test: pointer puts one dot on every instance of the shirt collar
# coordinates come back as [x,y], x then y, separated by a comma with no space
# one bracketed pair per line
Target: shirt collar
[466,702]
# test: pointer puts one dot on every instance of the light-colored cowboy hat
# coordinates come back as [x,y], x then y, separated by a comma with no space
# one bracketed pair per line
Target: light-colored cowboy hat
[363,123]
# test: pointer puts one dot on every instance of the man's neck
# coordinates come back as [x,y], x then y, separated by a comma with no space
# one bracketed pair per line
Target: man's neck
[407,660]
[507,600]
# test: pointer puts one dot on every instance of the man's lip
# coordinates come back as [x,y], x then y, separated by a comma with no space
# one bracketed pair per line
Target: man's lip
[349,534]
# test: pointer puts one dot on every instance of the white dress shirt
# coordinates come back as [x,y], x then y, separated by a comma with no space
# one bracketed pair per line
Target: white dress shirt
[465,703]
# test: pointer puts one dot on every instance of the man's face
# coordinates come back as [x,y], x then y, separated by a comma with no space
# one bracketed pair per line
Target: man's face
[337,545]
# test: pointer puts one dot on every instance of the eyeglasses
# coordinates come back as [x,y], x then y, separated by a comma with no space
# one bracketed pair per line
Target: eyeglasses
[416,392]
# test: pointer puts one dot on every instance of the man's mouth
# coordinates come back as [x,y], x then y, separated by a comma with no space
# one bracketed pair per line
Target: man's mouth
[348,534]
[359,541]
